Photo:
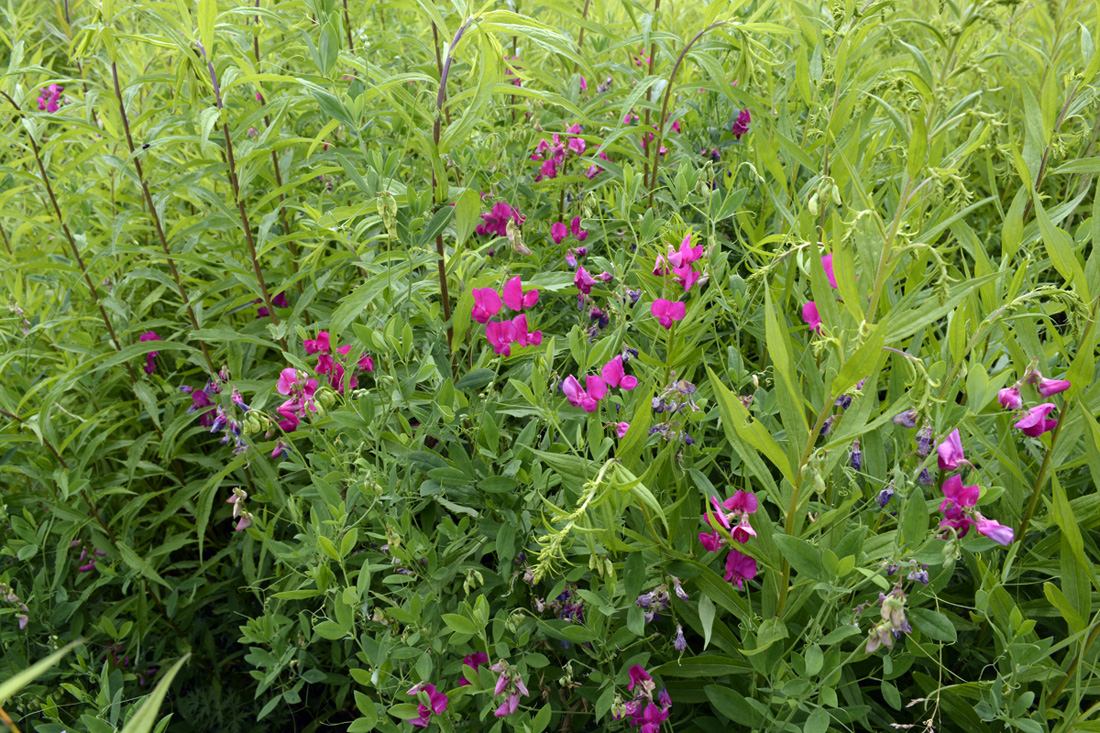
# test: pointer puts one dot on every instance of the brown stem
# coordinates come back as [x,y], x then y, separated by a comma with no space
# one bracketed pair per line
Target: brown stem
[69,238]
[6,720]
[7,244]
[232,163]
[157,226]
[347,26]
[664,107]
[439,69]
[649,72]
[580,36]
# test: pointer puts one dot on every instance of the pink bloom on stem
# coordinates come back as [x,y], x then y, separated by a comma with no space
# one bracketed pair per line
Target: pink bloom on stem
[711,541]
[811,317]
[686,254]
[676,126]
[950,452]
[1048,387]
[244,523]
[741,126]
[621,428]
[586,399]
[584,85]
[743,532]
[739,568]
[579,233]
[687,276]
[666,311]
[288,380]
[509,706]
[150,363]
[558,232]
[319,345]
[501,334]
[650,720]
[827,263]
[615,376]
[639,677]
[1010,398]
[958,519]
[1036,422]
[515,298]
[365,363]
[719,514]
[742,501]
[437,701]
[994,530]
[521,336]
[577,145]
[660,268]
[486,304]
[958,495]
[583,280]
[473,661]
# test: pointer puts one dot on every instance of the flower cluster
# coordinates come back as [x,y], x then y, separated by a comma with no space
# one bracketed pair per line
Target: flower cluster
[1034,421]
[243,516]
[678,263]
[87,556]
[49,98]
[150,358]
[893,622]
[301,392]
[328,365]
[22,612]
[553,154]
[588,397]
[510,684]
[643,711]
[959,501]
[431,703]
[496,220]
[735,527]
[504,333]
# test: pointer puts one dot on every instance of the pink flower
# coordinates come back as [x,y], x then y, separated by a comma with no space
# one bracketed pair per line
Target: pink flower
[586,399]
[711,541]
[496,220]
[1010,398]
[288,380]
[150,363]
[666,311]
[558,232]
[319,345]
[956,518]
[1048,387]
[650,720]
[1036,422]
[615,376]
[660,268]
[501,334]
[515,298]
[509,706]
[687,276]
[486,304]
[437,701]
[579,233]
[827,263]
[950,452]
[473,661]
[676,126]
[549,169]
[621,428]
[743,532]
[739,568]
[741,126]
[583,280]
[742,501]
[639,677]
[958,495]
[686,254]
[365,363]
[577,145]
[520,334]
[810,316]
[244,523]
[993,530]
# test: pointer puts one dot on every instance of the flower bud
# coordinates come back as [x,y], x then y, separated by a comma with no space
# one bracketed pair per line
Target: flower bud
[1010,398]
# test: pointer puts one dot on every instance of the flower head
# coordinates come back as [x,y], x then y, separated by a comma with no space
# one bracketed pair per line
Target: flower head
[950,452]
[515,298]
[1010,398]
[639,677]
[583,280]
[993,530]
[1048,387]
[739,568]
[486,304]
[1036,422]
[587,399]
[666,311]
[437,704]
[575,227]
[615,376]
[558,232]
[811,317]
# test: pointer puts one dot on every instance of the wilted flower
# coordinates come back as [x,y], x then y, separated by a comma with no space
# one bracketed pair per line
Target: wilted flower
[1010,398]
[680,643]
[907,419]
[1048,387]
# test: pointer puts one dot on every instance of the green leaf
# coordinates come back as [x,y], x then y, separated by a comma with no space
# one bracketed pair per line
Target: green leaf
[932,624]
[732,704]
[9,687]
[706,617]
[146,717]
[803,557]
[135,561]
[208,15]
[330,630]
[914,519]
[467,214]
[459,624]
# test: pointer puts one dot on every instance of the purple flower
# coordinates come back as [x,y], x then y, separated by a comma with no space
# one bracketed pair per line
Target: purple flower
[950,451]
[680,643]
[1010,398]
[811,317]
[437,704]
[739,568]
[150,364]
[884,497]
[907,419]
[993,530]
[1036,422]
[741,126]
[1048,387]
[639,677]
[855,456]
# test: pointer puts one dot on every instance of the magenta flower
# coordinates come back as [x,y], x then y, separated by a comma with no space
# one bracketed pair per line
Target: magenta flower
[501,334]
[575,226]
[486,305]
[650,720]
[810,316]
[320,344]
[739,568]
[515,298]
[496,220]
[666,311]
[615,376]
[958,495]
[994,530]
[577,145]
[150,363]
[741,126]
[958,519]
[621,428]
[437,702]
[365,363]
[640,678]
[1036,422]
[743,532]
[660,268]
[711,541]
[742,501]
[686,254]
[1048,387]
[288,380]
[950,452]
[558,232]
[686,275]
[1010,398]
[521,334]
[586,399]
[583,280]
[473,661]
[827,264]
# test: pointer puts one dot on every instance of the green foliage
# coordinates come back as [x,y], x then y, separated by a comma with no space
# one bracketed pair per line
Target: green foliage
[238,178]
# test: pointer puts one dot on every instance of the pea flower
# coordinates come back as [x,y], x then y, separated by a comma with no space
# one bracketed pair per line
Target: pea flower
[907,419]
[827,265]
[686,254]
[621,428]
[811,317]
[950,452]
[437,702]
[666,311]
[558,232]
[615,376]
[1010,398]
[496,220]
[583,280]
[486,305]
[739,568]
[640,678]
[575,227]
[1036,422]
[1048,387]
[473,661]
[586,399]
[515,298]
[150,363]
[993,530]
[741,125]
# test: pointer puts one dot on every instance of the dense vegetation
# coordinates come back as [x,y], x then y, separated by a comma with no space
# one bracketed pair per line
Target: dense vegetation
[563,366]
